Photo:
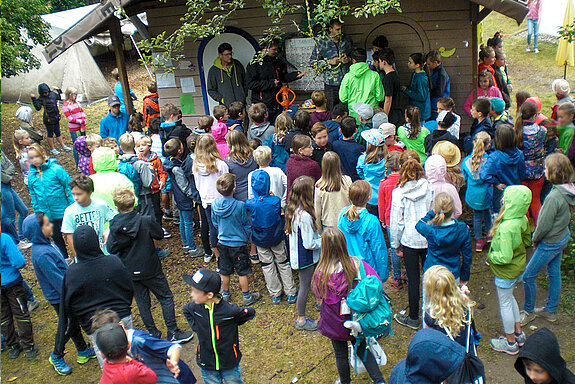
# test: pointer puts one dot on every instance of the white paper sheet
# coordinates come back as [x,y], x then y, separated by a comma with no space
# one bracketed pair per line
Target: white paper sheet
[185,64]
[166,80]
[188,85]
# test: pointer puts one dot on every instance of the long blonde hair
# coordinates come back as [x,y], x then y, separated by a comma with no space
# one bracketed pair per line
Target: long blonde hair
[410,170]
[444,302]
[19,134]
[331,176]
[333,254]
[480,144]
[444,207]
[300,196]
[283,125]
[374,154]
[498,220]
[207,153]
[240,150]
[359,195]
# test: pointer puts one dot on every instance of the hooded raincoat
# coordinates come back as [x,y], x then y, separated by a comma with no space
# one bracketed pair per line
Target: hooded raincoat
[435,170]
[49,189]
[107,178]
[50,103]
[265,211]
[361,84]
[219,131]
[83,155]
[261,131]
[232,222]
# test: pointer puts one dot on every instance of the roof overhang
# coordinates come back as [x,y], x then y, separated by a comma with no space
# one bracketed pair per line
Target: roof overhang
[515,9]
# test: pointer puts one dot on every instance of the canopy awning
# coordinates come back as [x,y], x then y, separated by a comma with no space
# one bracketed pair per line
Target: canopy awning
[515,9]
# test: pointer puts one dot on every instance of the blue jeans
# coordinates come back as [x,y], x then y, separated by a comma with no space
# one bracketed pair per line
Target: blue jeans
[187,229]
[481,223]
[12,203]
[231,376]
[549,255]
[74,135]
[532,29]
[395,260]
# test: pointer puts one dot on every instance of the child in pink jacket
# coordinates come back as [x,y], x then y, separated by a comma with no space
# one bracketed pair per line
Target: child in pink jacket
[219,131]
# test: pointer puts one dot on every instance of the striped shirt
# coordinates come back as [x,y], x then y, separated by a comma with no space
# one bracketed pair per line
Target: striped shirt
[75,115]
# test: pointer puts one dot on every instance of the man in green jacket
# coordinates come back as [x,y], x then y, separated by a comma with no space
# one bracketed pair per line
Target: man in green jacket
[360,84]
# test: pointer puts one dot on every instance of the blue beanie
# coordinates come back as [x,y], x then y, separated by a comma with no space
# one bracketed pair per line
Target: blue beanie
[497,104]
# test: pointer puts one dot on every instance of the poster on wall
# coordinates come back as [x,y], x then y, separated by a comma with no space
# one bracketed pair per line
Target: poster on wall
[298,51]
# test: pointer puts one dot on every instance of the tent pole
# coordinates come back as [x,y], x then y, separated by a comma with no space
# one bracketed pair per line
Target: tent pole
[141,57]
[117,42]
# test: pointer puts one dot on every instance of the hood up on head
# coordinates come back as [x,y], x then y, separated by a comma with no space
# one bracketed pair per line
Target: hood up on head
[219,131]
[435,168]
[260,183]
[517,199]
[104,160]
[33,231]
[42,88]
[86,243]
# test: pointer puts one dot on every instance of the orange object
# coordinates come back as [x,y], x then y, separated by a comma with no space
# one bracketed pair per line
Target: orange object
[285,97]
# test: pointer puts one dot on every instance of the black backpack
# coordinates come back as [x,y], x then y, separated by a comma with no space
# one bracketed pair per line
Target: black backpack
[471,370]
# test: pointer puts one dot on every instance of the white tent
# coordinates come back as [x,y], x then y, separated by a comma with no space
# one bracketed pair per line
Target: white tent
[552,12]
[75,68]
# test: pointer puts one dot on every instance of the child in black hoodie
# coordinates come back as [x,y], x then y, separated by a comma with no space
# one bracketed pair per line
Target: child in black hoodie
[132,238]
[540,361]
[49,100]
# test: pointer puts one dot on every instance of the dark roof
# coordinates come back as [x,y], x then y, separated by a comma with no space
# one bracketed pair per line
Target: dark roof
[97,21]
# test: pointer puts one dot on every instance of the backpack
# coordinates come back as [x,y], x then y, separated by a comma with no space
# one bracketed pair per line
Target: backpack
[370,305]
[127,168]
[280,155]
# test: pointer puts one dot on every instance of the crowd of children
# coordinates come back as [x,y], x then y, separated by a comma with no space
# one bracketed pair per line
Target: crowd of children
[328,195]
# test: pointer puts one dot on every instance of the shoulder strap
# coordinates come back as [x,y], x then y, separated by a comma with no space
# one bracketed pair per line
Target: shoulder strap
[468,341]
[362,273]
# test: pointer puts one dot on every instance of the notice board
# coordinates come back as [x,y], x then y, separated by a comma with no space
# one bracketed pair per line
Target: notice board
[298,51]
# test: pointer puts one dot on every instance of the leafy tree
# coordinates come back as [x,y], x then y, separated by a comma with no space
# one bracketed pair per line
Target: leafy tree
[21,15]
[62,5]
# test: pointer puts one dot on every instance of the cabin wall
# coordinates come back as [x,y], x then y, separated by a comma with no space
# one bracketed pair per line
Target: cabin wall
[420,27]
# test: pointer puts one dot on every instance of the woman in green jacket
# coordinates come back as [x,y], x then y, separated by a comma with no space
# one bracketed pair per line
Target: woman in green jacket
[507,261]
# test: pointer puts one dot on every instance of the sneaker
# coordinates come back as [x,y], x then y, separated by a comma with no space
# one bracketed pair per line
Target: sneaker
[291,299]
[277,299]
[176,220]
[180,337]
[60,365]
[502,345]
[162,252]
[226,296]
[395,283]
[167,234]
[55,152]
[535,50]
[407,321]
[254,259]
[31,353]
[32,305]
[66,148]
[196,253]
[306,325]
[527,49]
[24,244]
[168,215]
[254,297]
[542,312]
[86,355]
[479,244]
[208,258]
[520,339]
[489,238]
[14,351]
[526,317]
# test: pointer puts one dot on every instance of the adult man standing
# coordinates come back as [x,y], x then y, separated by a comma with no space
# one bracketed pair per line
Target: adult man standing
[115,124]
[360,84]
[227,77]
[332,53]
[265,79]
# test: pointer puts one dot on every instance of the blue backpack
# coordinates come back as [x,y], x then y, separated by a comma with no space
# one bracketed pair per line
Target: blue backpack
[280,155]
[371,306]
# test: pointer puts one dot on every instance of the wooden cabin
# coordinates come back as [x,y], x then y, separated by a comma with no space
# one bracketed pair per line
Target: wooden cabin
[420,27]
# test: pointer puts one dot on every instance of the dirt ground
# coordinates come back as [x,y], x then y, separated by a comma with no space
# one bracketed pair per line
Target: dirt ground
[273,351]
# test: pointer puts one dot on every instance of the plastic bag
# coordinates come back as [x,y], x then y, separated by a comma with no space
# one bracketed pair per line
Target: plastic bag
[375,349]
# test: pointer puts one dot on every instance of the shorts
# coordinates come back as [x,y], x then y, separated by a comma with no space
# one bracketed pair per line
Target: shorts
[53,129]
[234,258]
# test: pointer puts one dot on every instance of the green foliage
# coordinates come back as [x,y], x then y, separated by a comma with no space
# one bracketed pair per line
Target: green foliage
[20,15]
[62,5]
[568,261]
[568,32]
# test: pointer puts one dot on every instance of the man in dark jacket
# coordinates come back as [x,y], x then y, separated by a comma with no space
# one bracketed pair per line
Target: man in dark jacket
[265,79]
[96,281]
[227,78]
[132,238]
[49,100]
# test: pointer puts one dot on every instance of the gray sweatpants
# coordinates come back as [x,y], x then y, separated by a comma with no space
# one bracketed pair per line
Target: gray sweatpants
[127,324]
[275,260]
[508,309]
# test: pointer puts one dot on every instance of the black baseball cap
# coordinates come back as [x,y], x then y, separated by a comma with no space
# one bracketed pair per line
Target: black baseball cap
[204,279]
[111,337]
[113,100]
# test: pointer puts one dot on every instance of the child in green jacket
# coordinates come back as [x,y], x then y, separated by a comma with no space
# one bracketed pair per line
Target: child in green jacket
[507,260]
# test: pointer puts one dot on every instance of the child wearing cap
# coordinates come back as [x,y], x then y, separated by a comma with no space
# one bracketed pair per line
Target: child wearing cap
[562,90]
[365,114]
[160,356]
[499,114]
[216,323]
[444,121]
[371,164]
[119,367]
[388,131]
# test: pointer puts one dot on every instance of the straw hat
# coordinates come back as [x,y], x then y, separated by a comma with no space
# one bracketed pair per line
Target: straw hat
[449,151]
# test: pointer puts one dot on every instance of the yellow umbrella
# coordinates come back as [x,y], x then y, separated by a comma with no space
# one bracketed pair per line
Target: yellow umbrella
[566,50]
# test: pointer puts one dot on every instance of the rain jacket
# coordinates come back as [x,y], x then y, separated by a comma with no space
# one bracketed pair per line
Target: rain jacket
[448,245]
[96,281]
[504,167]
[227,85]
[50,103]
[279,153]
[507,254]
[260,131]
[241,171]
[206,182]
[183,182]
[304,241]
[534,137]
[150,107]
[326,49]
[265,211]
[219,131]
[47,259]
[435,170]
[478,193]
[437,136]
[8,169]
[566,133]
[107,178]
[363,85]
[417,144]
[409,204]
[278,183]
[232,222]
[373,173]
[386,187]
[492,91]
[542,348]
[365,239]
[440,85]
[138,172]
[83,155]
[120,93]
[158,171]
[114,126]
[176,130]
[11,262]
[49,189]
[261,76]
[418,92]
[333,131]
[555,214]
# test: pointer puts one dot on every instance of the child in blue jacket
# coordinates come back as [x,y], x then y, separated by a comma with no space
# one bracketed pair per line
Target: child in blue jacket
[268,236]
[50,267]
[15,302]
[418,90]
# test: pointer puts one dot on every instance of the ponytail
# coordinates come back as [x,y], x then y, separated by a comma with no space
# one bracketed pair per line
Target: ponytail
[480,144]
[351,213]
[359,195]
[444,206]
[414,116]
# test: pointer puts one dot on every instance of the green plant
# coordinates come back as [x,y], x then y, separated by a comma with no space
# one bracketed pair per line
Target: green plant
[568,260]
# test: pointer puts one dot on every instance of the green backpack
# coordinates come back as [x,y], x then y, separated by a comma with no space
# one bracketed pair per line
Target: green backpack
[371,306]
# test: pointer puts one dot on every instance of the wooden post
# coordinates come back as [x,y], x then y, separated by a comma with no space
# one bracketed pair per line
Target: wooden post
[118,42]
[474,50]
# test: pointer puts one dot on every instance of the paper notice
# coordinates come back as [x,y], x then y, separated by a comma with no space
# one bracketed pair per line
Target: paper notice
[166,80]
[188,85]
